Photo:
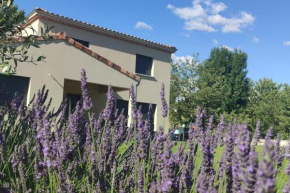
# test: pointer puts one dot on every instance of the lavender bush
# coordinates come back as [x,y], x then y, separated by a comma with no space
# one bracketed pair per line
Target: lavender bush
[44,151]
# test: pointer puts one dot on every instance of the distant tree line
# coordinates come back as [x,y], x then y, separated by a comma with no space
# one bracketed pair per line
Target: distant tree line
[220,85]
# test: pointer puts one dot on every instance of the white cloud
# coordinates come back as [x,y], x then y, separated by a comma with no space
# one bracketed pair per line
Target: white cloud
[142,25]
[204,15]
[188,12]
[185,35]
[181,59]
[215,42]
[218,7]
[227,47]
[196,25]
[286,43]
[256,40]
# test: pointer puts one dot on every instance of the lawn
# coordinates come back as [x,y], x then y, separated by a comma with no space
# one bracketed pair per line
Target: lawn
[282,178]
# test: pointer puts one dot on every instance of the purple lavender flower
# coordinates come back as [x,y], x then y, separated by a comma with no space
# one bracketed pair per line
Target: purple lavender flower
[87,101]
[157,149]
[249,184]
[257,133]
[269,134]
[237,174]
[229,151]
[168,166]
[243,147]
[266,173]
[22,109]
[45,141]
[76,128]
[164,107]
[286,188]
[143,135]
[109,111]
[268,137]
[16,101]
[133,103]
[235,129]
[279,152]
[193,145]
[206,177]
[150,122]
[220,132]
[211,123]
[200,124]
[140,179]
[153,188]
[185,181]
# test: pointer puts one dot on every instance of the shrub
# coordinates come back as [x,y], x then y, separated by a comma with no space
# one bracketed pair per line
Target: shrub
[43,151]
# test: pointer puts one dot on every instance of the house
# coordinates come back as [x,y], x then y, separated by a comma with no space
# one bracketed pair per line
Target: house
[109,57]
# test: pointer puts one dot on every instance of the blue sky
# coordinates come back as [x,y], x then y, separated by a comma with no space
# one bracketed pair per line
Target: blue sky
[260,28]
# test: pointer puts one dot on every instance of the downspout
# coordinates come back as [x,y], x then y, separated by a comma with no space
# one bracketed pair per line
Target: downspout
[136,87]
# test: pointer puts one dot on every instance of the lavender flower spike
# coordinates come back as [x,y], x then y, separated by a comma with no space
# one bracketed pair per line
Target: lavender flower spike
[251,174]
[133,102]
[163,100]
[269,134]
[257,133]
[87,101]
[266,173]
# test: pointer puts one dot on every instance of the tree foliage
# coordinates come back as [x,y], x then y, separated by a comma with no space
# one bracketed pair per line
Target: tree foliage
[182,89]
[222,84]
[13,51]
[270,102]
[9,17]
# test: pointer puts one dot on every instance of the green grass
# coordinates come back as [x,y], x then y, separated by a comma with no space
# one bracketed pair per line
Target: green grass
[281,179]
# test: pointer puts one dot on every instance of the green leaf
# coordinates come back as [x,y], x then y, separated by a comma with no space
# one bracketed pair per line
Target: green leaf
[8,3]
[3,65]
[5,69]
[40,58]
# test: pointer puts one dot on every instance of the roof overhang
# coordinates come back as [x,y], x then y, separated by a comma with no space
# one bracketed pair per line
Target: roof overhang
[39,13]
[62,36]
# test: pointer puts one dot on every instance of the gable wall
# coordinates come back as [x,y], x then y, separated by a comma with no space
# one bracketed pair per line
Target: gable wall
[124,54]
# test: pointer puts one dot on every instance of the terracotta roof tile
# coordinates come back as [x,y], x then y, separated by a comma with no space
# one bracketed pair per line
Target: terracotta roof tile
[62,36]
[78,45]
[39,13]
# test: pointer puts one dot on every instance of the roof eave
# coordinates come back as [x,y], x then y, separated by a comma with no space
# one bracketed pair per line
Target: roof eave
[62,36]
[103,31]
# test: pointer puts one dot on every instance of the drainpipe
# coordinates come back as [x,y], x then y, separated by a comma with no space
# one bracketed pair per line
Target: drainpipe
[136,87]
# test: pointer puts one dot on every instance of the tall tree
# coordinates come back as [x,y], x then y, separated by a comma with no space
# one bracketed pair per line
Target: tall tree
[182,88]
[270,102]
[222,84]
[266,104]
[285,119]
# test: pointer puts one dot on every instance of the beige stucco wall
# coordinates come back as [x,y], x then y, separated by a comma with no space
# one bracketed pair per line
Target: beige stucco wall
[35,26]
[97,92]
[68,61]
[64,61]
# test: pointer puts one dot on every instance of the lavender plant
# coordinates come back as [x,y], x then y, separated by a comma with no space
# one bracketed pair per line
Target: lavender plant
[48,151]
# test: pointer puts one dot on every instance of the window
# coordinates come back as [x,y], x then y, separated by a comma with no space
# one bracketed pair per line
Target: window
[13,84]
[143,65]
[72,100]
[121,104]
[84,43]
[145,109]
